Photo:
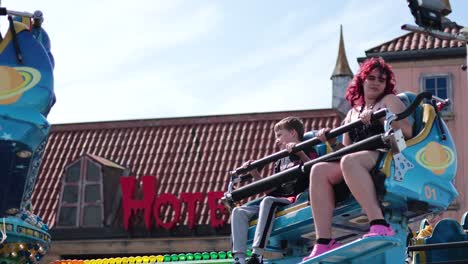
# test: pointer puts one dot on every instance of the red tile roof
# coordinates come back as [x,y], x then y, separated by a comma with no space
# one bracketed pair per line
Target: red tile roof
[190,154]
[415,41]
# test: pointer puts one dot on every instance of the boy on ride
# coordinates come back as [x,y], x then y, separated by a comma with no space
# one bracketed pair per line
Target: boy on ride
[288,132]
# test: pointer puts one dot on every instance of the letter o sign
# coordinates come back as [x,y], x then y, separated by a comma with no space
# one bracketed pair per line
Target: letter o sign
[163,199]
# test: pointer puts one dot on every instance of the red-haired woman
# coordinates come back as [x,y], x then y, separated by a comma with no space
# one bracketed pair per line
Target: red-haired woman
[372,88]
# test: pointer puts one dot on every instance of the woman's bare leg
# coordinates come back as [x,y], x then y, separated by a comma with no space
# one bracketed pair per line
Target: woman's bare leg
[322,198]
[356,169]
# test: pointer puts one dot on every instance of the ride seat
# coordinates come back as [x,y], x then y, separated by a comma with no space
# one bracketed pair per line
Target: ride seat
[416,118]
[321,149]
[464,221]
[445,231]
[412,184]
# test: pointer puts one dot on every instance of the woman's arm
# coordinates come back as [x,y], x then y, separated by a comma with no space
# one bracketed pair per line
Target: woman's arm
[348,118]
[394,104]
[332,142]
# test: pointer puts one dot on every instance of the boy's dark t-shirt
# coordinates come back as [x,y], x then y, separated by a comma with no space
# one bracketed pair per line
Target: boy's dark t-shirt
[295,187]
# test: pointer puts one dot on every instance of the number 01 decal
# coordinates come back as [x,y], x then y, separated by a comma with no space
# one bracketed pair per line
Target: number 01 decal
[430,193]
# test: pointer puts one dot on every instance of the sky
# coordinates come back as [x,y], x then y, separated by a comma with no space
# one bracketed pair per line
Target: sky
[141,59]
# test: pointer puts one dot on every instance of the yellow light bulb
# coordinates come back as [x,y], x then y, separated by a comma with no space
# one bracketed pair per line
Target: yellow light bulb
[138,259]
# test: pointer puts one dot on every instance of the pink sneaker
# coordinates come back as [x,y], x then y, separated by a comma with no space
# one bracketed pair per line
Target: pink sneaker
[319,249]
[379,230]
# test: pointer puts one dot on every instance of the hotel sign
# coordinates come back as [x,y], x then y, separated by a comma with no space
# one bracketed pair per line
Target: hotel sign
[152,204]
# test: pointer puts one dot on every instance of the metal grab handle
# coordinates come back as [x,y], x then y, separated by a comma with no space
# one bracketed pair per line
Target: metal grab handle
[303,145]
[374,142]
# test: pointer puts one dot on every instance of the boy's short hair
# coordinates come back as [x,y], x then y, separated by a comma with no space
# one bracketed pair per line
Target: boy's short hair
[290,123]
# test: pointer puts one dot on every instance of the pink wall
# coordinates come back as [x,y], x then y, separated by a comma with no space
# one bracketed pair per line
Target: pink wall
[408,75]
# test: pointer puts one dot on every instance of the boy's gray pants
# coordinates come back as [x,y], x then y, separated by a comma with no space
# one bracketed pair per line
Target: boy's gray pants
[241,216]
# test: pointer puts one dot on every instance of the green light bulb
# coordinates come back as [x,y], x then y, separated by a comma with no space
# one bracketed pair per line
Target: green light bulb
[222,255]
[189,256]
[214,255]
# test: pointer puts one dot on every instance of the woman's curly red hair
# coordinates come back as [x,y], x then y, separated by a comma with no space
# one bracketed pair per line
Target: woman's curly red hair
[355,90]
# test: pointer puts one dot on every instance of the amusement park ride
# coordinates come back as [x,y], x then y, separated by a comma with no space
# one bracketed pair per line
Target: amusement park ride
[26,96]
[416,176]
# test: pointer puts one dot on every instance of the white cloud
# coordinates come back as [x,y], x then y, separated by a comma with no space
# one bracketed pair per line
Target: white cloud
[107,45]
[124,97]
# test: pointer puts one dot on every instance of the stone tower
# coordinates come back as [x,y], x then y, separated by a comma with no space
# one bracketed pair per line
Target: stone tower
[341,77]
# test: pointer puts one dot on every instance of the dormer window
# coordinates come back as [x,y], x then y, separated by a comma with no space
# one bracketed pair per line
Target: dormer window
[90,193]
[81,202]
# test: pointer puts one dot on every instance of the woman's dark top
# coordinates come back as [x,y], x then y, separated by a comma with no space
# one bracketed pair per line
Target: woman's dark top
[366,131]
